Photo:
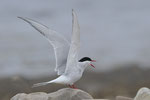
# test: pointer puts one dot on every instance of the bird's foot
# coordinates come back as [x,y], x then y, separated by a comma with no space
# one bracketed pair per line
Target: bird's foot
[72,86]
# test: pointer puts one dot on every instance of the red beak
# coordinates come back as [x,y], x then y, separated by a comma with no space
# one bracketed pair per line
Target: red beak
[92,65]
[93,61]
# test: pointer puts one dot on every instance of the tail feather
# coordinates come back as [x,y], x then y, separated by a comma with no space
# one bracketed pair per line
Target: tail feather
[40,84]
[45,83]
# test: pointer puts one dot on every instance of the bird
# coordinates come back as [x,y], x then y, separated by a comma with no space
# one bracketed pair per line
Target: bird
[69,69]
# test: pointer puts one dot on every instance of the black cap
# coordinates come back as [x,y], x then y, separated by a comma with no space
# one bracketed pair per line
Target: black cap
[85,59]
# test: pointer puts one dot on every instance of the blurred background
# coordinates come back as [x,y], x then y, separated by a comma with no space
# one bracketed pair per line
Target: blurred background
[115,33]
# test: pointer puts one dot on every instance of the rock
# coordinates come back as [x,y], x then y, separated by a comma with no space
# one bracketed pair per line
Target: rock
[62,94]
[143,94]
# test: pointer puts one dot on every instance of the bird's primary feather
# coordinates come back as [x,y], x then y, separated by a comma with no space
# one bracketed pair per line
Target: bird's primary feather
[59,43]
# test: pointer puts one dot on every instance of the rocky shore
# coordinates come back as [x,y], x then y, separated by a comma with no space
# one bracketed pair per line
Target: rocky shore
[124,82]
[76,94]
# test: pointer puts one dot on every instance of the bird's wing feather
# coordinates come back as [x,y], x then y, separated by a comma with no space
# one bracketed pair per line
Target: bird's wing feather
[59,43]
[72,60]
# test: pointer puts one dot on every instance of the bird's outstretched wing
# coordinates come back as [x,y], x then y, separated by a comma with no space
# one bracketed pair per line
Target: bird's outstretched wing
[72,60]
[59,43]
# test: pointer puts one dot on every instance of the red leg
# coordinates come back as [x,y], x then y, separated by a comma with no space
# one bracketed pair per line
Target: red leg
[70,86]
[73,86]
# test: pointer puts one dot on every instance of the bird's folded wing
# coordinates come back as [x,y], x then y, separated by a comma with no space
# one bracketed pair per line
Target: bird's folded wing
[72,60]
[59,43]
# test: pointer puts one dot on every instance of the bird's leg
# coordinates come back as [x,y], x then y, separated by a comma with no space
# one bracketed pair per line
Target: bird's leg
[73,86]
[70,86]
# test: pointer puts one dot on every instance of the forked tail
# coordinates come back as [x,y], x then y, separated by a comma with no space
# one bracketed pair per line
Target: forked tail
[41,84]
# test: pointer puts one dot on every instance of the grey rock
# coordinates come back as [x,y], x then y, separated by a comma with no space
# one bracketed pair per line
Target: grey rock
[62,94]
[143,94]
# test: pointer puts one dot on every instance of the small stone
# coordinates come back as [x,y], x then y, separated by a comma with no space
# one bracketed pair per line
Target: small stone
[143,94]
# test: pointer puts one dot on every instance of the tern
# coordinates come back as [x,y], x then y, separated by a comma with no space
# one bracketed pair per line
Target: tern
[68,67]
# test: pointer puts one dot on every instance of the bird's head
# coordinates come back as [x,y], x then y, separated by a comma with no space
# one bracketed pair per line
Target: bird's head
[87,61]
